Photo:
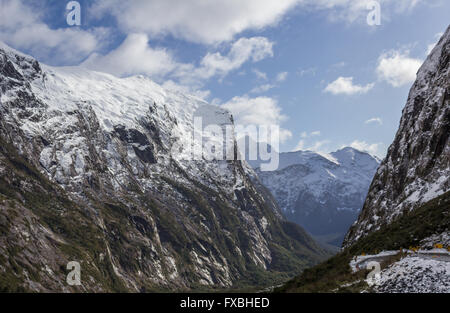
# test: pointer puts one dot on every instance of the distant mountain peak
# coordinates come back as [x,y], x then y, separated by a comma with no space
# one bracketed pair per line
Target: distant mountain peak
[322,192]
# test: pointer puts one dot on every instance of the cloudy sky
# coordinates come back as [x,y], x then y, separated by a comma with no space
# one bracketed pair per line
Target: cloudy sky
[315,67]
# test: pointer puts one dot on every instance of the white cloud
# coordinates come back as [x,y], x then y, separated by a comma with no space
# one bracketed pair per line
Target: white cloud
[317,146]
[252,49]
[195,20]
[300,145]
[374,149]
[262,88]
[344,85]
[308,71]
[374,120]
[356,10]
[22,27]
[397,68]
[311,134]
[136,56]
[257,111]
[284,135]
[281,77]
[259,74]
[339,64]
[201,93]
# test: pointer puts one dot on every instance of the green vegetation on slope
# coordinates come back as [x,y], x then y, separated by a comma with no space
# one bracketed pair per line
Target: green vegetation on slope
[26,194]
[407,230]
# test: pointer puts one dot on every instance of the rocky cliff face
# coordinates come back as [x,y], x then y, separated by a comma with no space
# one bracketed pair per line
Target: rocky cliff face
[323,194]
[417,166]
[88,173]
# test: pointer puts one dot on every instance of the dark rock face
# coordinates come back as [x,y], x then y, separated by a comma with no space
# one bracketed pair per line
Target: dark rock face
[87,175]
[417,166]
[141,145]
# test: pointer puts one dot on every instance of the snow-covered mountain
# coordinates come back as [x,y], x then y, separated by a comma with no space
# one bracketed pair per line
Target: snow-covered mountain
[321,192]
[89,173]
[417,166]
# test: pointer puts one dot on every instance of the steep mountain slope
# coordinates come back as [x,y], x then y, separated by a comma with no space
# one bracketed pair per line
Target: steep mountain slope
[417,166]
[91,171]
[323,194]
